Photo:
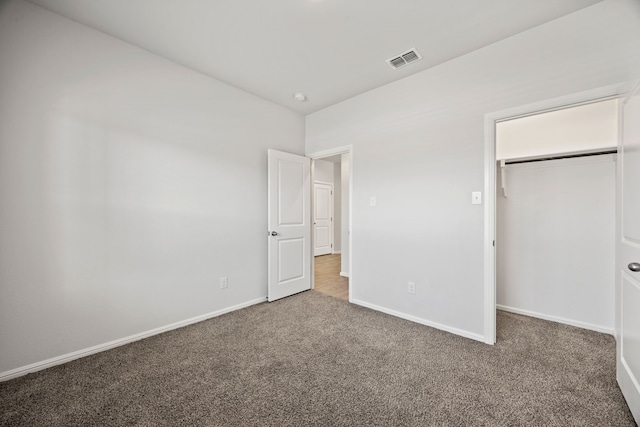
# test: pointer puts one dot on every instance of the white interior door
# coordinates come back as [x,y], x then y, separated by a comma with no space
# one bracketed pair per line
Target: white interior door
[628,253]
[289,218]
[322,218]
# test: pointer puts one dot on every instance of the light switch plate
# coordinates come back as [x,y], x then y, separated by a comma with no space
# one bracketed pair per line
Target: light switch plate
[373,201]
[476,198]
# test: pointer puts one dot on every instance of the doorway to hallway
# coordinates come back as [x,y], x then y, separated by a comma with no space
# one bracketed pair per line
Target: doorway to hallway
[331,272]
[327,277]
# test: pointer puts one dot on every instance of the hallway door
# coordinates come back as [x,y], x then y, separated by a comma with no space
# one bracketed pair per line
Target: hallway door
[322,218]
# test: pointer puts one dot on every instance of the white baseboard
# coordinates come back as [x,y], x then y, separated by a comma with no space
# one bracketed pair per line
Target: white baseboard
[450,329]
[343,274]
[59,360]
[570,322]
[336,252]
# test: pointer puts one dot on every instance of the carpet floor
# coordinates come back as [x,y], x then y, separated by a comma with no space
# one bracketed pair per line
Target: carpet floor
[315,360]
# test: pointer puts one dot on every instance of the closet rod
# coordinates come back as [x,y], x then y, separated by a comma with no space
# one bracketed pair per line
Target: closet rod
[561,156]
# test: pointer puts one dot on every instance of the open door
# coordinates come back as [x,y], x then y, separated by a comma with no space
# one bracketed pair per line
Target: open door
[628,253]
[289,222]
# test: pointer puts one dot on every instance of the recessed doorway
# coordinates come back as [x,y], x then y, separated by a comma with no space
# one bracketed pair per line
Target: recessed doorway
[494,182]
[331,172]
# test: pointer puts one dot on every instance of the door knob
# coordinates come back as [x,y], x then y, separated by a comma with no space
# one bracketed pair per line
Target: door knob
[634,266]
[274,233]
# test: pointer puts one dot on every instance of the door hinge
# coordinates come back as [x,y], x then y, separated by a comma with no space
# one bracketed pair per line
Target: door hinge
[494,243]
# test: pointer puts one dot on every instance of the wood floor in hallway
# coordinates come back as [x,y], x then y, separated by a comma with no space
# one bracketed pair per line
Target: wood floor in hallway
[327,277]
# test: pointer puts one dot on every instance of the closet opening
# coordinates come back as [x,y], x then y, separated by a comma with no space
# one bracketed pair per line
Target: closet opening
[555,214]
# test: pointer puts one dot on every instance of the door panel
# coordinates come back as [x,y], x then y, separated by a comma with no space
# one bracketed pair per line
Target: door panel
[322,218]
[628,251]
[631,323]
[289,201]
[291,260]
[291,179]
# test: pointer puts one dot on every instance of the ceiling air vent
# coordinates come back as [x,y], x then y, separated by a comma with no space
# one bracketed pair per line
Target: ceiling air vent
[404,58]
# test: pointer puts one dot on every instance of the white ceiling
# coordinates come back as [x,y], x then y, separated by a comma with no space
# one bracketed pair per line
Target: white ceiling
[330,50]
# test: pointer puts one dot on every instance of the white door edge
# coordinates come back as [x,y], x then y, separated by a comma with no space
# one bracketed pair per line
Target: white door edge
[627,249]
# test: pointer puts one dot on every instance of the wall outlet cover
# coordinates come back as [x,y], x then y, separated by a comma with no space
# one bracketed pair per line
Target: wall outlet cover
[412,287]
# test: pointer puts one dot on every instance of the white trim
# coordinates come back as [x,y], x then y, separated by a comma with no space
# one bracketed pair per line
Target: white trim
[490,120]
[336,252]
[59,360]
[450,329]
[565,321]
[346,149]
[574,100]
[489,230]
[343,274]
[330,152]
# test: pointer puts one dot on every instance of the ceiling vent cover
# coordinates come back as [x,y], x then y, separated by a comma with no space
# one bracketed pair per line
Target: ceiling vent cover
[404,58]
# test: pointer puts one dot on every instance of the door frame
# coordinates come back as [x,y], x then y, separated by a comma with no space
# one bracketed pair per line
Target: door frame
[319,155]
[490,171]
[313,210]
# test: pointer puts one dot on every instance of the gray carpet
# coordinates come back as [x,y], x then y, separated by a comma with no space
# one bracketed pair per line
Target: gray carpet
[314,360]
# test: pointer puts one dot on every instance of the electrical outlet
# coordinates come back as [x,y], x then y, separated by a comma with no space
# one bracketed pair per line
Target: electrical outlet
[412,287]
[224,282]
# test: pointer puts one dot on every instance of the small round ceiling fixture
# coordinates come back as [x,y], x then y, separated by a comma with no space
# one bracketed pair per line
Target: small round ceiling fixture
[300,97]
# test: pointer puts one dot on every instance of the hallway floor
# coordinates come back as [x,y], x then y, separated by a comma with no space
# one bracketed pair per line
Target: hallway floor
[327,277]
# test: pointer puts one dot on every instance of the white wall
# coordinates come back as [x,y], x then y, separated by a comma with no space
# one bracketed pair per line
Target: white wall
[128,186]
[555,241]
[323,171]
[418,147]
[589,127]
